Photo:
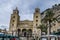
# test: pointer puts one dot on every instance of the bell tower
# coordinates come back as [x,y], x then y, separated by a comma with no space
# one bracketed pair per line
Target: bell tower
[14,20]
[36,20]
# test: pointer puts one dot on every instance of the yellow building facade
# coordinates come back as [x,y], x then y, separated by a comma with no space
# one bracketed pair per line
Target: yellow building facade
[25,27]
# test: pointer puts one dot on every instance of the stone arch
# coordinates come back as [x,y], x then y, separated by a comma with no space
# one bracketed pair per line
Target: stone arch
[30,32]
[24,32]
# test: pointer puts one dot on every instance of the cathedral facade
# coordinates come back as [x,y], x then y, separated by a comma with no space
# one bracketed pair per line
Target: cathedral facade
[25,27]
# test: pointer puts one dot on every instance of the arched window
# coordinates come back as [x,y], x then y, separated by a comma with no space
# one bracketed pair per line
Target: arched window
[13,20]
[13,16]
[36,16]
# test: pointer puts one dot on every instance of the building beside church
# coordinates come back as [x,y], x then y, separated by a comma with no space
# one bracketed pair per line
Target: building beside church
[56,10]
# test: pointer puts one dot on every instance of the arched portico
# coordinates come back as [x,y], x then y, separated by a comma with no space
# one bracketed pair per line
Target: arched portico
[30,32]
[24,32]
[27,32]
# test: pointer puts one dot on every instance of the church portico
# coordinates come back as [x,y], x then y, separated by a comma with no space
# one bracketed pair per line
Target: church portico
[24,32]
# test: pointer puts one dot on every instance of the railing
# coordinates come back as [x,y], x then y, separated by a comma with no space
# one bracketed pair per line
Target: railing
[39,37]
[52,37]
[43,37]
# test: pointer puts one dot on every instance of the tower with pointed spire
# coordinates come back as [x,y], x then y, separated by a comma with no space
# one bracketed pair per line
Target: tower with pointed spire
[14,20]
[36,20]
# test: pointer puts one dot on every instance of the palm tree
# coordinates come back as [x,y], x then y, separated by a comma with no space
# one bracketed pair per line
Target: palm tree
[43,28]
[49,18]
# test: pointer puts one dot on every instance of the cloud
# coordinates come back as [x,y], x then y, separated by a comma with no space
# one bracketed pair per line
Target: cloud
[25,7]
[6,8]
[4,27]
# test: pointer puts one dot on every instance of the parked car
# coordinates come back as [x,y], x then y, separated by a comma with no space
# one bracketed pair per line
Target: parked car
[8,37]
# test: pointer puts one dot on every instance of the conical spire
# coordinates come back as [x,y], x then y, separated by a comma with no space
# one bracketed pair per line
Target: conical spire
[16,10]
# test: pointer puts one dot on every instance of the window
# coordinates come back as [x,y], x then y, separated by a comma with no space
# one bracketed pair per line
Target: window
[12,24]
[36,16]
[36,20]
[36,24]
[13,20]
[13,16]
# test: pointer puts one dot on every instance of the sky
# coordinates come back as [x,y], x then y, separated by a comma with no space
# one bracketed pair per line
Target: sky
[26,9]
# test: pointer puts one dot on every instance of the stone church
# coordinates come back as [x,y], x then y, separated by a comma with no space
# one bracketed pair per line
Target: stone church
[25,27]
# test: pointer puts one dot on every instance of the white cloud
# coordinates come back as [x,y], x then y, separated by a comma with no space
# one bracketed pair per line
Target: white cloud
[6,10]
[26,8]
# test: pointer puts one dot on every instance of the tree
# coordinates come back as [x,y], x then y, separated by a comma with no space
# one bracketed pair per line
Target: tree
[49,19]
[43,28]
